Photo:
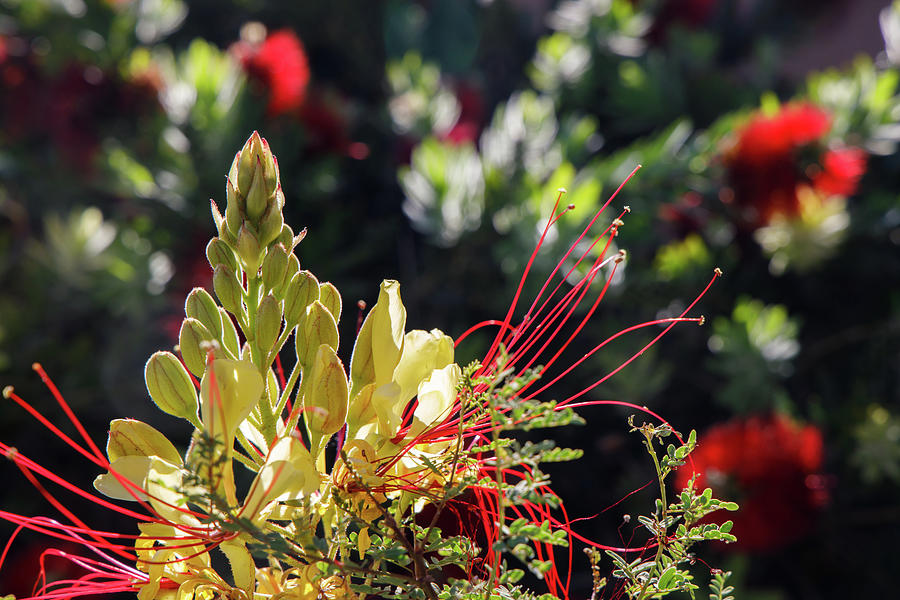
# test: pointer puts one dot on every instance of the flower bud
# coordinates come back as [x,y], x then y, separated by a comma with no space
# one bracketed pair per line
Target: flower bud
[201,306]
[291,269]
[227,289]
[316,327]
[220,253]
[302,291]
[331,298]
[233,217]
[249,251]
[274,266]
[192,335]
[272,222]
[254,198]
[129,437]
[257,198]
[229,334]
[286,237]
[268,323]
[247,160]
[326,399]
[170,385]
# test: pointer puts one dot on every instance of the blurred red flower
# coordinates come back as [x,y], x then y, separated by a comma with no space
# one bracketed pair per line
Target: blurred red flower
[773,155]
[841,171]
[768,465]
[279,64]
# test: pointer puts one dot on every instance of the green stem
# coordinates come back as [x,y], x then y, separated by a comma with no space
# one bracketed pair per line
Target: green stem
[252,301]
[661,531]
[288,388]
[266,410]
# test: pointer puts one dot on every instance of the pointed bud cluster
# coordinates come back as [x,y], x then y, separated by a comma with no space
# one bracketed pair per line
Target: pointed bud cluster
[253,218]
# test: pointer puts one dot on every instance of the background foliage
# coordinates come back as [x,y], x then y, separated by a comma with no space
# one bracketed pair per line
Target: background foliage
[426,141]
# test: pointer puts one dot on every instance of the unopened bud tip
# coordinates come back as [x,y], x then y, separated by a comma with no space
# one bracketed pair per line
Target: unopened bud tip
[36,366]
[571,206]
[361,304]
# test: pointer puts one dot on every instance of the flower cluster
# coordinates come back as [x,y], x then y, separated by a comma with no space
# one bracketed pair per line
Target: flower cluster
[779,160]
[351,466]
[277,62]
[770,466]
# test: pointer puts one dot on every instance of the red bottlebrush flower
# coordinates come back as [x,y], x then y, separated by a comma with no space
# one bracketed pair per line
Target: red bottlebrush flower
[765,139]
[769,466]
[279,63]
[841,171]
[765,164]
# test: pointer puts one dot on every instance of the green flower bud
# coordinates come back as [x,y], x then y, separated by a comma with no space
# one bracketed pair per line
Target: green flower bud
[331,298]
[170,385]
[257,197]
[291,269]
[247,159]
[227,289]
[218,252]
[268,323]
[316,327]
[233,217]
[302,291]
[326,399]
[272,222]
[129,437]
[229,334]
[286,237]
[201,306]
[249,251]
[192,335]
[274,267]
[254,197]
